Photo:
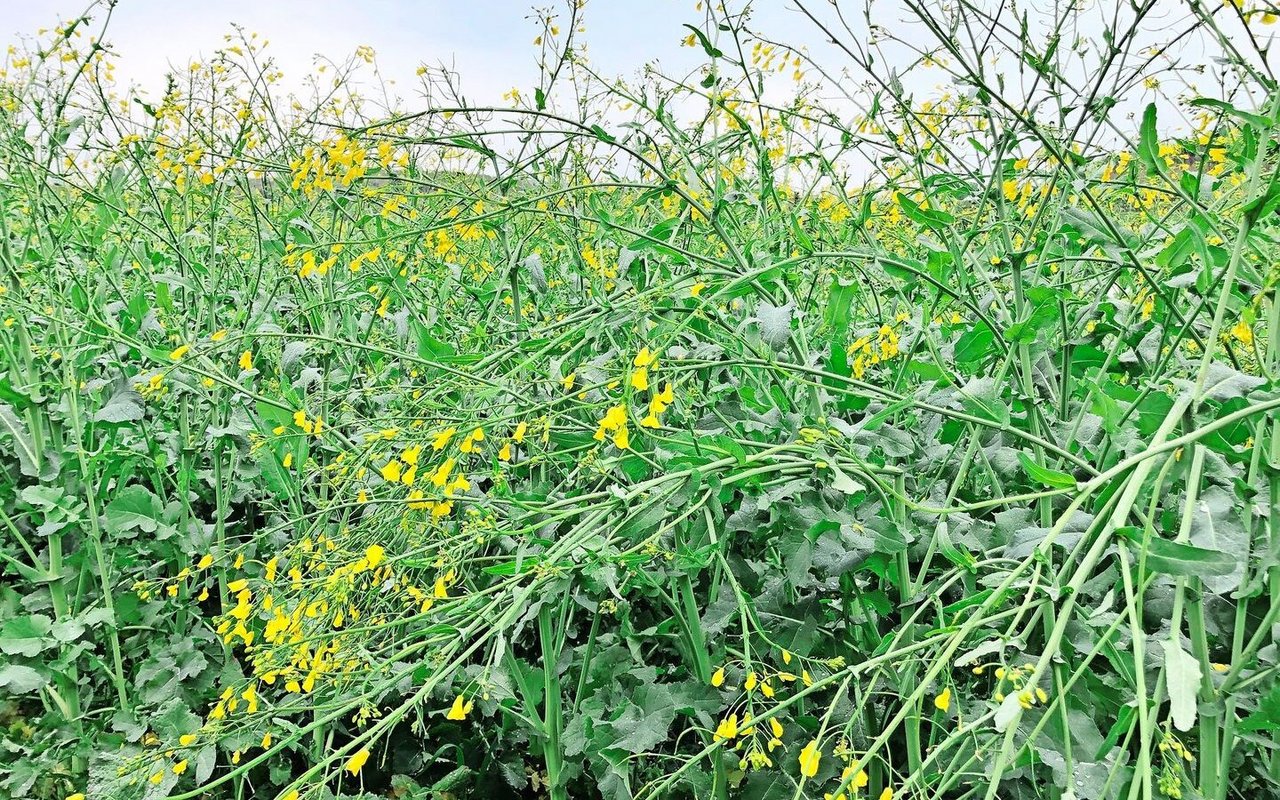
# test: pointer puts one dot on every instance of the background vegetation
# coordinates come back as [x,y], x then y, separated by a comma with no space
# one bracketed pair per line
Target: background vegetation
[783,430]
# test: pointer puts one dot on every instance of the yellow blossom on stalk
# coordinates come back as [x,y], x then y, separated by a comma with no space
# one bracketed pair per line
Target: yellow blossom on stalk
[468,444]
[696,289]
[218,336]
[460,708]
[943,701]
[887,794]
[810,757]
[442,438]
[567,381]
[505,453]
[1243,332]
[646,358]
[177,354]
[357,761]
[206,561]
[727,729]
[856,775]
[187,739]
[246,360]
[615,421]
[374,555]
[751,682]
[518,435]
[391,471]
[441,476]
[180,767]
[717,679]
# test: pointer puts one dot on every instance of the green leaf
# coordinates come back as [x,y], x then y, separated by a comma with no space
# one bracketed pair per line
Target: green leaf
[1267,717]
[19,679]
[841,482]
[1182,673]
[1148,144]
[23,447]
[1176,558]
[26,635]
[124,406]
[1049,477]
[980,397]
[707,47]
[133,508]
[1256,120]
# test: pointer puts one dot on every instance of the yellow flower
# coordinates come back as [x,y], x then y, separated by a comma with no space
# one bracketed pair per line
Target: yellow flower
[374,555]
[728,728]
[505,453]
[391,471]
[357,761]
[441,476]
[468,444]
[776,727]
[218,336]
[157,778]
[751,682]
[887,794]
[696,289]
[237,586]
[567,382]
[717,679]
[1243,332]
[266,740]
[443,438]
[460,708]
[205,562]
[810,757]
[943,701]
[645,358]
[859,776]
[187,739]
[640,379]
[518,436]
[76,796]
[246,360]
[180,767]
[177,354]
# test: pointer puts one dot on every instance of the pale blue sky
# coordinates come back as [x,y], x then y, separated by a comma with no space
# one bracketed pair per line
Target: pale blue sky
[489,41]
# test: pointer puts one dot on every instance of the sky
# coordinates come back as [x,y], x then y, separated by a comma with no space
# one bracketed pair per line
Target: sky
[489,42]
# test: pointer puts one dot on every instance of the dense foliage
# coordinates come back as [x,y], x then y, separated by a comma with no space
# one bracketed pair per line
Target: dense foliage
[779,431]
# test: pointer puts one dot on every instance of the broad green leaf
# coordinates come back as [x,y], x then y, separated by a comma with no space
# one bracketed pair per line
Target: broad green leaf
[1049,477]
[1182,678]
